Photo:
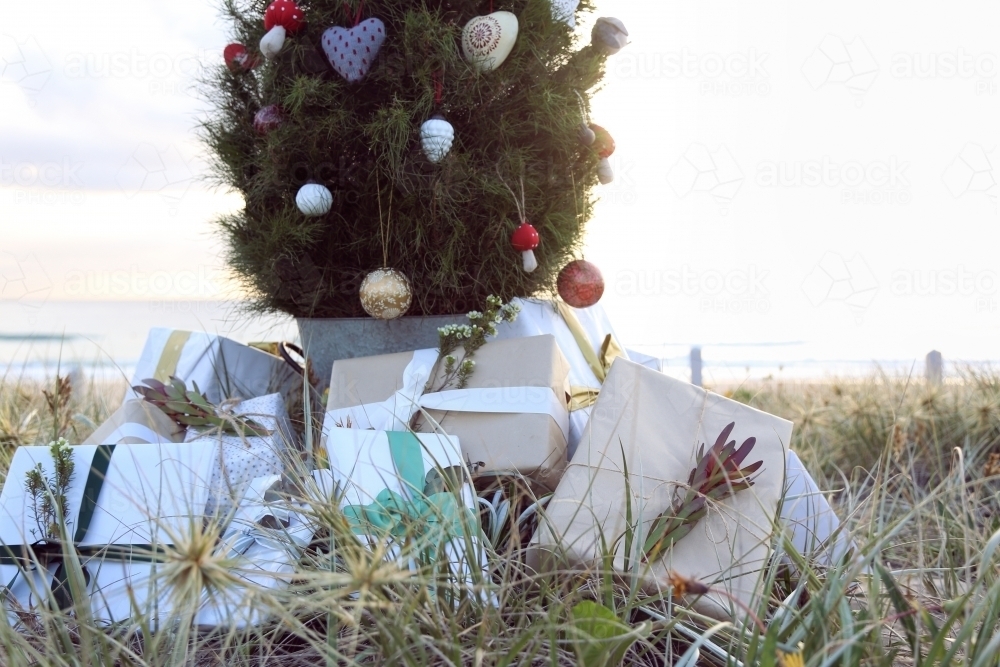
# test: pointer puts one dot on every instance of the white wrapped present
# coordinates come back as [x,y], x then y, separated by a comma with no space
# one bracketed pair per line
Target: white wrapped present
[125,502]
[635,470]
[239,459]
[265,539]
[223,369]
[136,422]
[399,486]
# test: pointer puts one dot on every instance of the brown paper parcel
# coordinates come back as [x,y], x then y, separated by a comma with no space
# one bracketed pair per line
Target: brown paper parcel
[532,444]
[659,423]
[136,422]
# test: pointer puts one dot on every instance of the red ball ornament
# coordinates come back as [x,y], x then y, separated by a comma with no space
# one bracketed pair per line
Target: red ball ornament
[238,59]
[580,284]
[284,13]
[525,240]
[267,119]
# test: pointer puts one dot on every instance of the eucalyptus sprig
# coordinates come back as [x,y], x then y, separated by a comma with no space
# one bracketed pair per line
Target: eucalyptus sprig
[717,476]
[190,408]
[470,337]
[49,504]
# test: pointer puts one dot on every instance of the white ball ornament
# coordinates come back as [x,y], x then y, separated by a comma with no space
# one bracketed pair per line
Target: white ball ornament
[488,40]
[609,34]
[386,294]
[314,200]
[436,137]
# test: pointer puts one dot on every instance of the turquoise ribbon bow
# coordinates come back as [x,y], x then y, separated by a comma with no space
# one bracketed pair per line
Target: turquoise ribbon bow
[424,519]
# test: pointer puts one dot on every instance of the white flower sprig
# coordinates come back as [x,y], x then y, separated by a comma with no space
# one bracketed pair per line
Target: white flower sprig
[470,337]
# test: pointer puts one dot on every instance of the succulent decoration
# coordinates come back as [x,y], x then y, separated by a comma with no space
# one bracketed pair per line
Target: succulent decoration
[716,477]
[190,408]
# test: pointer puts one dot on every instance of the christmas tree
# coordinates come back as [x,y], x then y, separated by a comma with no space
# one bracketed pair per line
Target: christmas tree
[312,111]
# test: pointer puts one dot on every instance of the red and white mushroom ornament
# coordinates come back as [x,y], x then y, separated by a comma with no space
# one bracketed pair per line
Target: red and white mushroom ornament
[604,146]
[281,18]
[525,240]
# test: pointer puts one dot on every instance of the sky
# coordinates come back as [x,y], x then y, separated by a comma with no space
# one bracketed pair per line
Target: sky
[818,180]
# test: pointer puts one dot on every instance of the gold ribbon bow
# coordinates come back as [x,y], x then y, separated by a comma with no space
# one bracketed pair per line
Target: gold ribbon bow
[583,397]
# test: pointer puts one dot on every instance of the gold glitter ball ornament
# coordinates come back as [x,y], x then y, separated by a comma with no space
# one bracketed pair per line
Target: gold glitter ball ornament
[386,294]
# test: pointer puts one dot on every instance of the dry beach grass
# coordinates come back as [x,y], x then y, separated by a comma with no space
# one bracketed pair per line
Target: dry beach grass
[913,470]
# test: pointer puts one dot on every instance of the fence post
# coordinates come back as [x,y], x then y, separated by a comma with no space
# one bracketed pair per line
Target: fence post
[934,367]
[696,366]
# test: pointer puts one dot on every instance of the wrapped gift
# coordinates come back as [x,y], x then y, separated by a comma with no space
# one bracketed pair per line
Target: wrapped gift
[586,339]
[265,539]
[401,487]
[805,512]
[511,416]
[240,459]
[136,422]
[223,369]
[638,460]
[124,503]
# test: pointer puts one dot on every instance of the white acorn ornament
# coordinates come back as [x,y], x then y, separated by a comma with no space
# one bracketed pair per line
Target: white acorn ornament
[314,200]
[386,293]
[609,34]
[436,137]
[586,135]
[488,40]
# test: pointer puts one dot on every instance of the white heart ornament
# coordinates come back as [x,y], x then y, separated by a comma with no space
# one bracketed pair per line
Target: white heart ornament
[351,51]
[488,40]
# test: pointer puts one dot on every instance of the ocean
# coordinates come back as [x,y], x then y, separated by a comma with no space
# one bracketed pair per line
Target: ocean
[103,340]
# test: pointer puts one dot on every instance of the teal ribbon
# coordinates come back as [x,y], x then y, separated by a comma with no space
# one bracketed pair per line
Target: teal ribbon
[427,520]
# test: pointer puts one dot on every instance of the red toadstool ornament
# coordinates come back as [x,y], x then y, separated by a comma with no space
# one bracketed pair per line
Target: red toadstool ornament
[604,146]
[282,17]
[267,119]
[525,240]
[580,284]
[238,59]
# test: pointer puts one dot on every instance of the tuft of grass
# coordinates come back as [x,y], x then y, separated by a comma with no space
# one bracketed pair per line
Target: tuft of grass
[912,471]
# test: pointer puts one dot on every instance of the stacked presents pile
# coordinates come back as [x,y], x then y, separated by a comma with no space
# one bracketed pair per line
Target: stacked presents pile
[534,389]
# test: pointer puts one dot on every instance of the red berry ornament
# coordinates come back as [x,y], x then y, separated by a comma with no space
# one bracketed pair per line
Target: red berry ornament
[238,59]
[580,284]
[267,119]
[282,17]
[525,240]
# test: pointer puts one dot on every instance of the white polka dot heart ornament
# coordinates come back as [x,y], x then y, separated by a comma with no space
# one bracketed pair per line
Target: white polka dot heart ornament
[351,51]
[488,40]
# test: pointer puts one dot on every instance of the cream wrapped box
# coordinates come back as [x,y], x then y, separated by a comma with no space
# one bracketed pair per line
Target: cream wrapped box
[513,414]
[652,426]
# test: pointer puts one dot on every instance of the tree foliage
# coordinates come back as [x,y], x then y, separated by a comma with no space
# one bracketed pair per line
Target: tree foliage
[447,226]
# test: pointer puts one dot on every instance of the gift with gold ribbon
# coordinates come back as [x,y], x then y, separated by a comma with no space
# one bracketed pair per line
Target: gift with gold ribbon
[222,368]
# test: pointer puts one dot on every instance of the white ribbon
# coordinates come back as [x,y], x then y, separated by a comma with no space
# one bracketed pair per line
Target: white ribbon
[394,414]
[240,540]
